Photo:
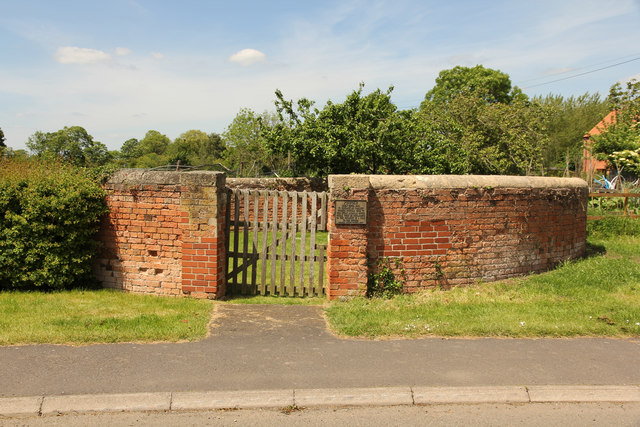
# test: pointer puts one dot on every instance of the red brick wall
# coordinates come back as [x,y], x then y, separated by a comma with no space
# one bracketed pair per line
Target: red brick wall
[165,231]
[456,230]
[164,234]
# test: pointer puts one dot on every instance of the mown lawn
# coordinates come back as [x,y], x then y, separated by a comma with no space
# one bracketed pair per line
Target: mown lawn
[596,296]
[99,316]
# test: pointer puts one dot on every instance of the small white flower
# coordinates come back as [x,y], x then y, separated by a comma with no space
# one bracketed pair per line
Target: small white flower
[521,323]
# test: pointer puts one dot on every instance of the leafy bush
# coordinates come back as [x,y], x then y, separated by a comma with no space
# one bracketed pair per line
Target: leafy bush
[614,226]
[384,282]
[49,214]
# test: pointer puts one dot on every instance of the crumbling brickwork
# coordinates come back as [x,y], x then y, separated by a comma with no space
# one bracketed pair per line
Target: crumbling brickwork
[455,230]
[164,233]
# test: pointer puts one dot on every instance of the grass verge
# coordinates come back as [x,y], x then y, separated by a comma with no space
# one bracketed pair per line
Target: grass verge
[99,316]
[596,296]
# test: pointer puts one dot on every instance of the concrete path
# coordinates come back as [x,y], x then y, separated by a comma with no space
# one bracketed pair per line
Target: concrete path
[270,347]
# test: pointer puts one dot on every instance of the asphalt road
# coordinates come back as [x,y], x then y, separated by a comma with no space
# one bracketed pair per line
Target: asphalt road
[281,347]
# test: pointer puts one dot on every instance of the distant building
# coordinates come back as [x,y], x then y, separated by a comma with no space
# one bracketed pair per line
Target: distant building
[591,166]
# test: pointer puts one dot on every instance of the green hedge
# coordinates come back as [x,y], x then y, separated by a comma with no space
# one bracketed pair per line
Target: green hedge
[614,226]
[49,214]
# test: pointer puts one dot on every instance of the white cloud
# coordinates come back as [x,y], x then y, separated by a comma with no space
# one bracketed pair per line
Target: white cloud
[80,55]
[157,55]
[122,51]
[246,57]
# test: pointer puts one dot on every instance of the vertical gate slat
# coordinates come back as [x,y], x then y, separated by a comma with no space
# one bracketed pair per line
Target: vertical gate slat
[265,235]
[245,242]
[322,250]
[254,249]
[303,243]
[227,231]
[323,211]
[274,243]
[294,220]
[300,212]
[236,234]
[283,243]
[312,243]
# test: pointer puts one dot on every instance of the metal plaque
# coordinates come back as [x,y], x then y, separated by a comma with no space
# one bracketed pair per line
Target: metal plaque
[351,212]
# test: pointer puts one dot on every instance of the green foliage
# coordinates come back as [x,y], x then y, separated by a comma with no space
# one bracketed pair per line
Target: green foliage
[470,135]
[49,213]
[71,145]
[569,120]
[130,152]
[154,142]
[624,133]
[489,84]
[195,147]
[614,226]
[2,140]
[383,283]
[364,134]
[627,160]
[247,151]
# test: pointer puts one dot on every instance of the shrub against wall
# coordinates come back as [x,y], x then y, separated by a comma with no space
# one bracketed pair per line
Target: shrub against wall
[49,214]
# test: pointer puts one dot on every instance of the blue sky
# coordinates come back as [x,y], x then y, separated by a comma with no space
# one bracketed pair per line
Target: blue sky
[122,67]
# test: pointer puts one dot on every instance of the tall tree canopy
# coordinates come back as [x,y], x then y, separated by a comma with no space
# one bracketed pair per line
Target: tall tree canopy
[363,134]
[2,139]
[569,120]
[71,144]
[247,151]
[491,85]
[469,135]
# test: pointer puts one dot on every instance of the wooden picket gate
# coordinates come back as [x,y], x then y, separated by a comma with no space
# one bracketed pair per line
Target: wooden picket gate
[276,242]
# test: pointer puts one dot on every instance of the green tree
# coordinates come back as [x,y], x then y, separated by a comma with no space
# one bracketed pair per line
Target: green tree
[246,150]
[149,152]
[491,85]
[623,134]
[197,148]
[130,151]
[154,142]
[363,134]
[71,144]
[2,140]
[470,135]
[569,120]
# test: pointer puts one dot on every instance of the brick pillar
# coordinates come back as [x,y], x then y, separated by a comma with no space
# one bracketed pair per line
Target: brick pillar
[347,265]
[203,244]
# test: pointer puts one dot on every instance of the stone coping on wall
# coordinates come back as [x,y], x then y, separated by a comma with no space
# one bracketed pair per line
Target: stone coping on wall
[151,177]
[452,181]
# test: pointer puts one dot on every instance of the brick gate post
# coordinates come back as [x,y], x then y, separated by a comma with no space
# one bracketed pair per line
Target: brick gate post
[203,201]
[347,266]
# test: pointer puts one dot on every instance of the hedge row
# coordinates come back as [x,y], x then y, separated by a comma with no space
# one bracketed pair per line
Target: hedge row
[49,214]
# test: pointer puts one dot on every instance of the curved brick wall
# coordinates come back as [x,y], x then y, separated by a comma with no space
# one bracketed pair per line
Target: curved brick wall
[165,230]
[455,230]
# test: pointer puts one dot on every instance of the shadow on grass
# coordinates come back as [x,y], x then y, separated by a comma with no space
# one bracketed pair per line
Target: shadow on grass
[595,250]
